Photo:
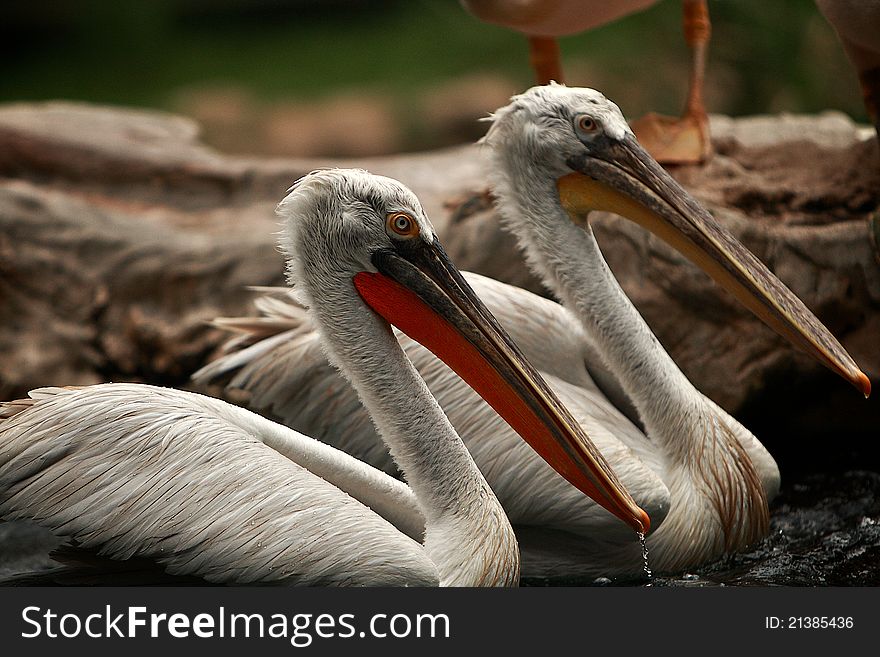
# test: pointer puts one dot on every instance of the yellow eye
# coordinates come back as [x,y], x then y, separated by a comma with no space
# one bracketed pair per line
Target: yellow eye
[402,224]
[587,124]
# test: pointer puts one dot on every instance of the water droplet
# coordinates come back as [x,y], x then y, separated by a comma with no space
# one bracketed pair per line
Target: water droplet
[601,581]
[644,543]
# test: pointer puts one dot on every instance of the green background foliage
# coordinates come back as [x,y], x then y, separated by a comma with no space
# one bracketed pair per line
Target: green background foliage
[764,57]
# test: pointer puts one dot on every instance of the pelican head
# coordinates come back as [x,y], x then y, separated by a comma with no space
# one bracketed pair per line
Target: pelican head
[355,240]
[573,144]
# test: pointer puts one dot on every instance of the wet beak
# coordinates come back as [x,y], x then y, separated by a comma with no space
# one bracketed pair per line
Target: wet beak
[625,180]
[418,290]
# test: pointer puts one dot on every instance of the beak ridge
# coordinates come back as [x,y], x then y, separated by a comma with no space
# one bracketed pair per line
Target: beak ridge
[625,180]
[422,293]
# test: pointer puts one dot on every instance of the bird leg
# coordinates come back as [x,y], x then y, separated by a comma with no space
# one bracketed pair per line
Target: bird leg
[545,59]
[870,81]
[684,140]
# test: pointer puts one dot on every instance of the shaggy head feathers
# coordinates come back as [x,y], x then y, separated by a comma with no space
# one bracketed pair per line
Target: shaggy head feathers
[538,126]
[332,220]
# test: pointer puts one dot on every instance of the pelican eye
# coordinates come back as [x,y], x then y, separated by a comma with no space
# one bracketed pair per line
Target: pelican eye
[587,124]
[402,224]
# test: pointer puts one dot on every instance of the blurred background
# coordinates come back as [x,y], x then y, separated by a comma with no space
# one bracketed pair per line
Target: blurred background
[364,77]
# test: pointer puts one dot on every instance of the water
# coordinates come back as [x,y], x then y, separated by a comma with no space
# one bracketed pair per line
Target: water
[647,570]
[824,531]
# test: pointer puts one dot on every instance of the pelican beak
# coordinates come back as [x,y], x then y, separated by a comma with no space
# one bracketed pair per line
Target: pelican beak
[419,290]
[619,176]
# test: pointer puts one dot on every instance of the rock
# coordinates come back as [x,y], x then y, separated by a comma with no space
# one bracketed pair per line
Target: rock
[830,129]
[121,235]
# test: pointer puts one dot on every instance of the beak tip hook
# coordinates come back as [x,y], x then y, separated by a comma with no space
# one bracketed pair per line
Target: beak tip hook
[644,523]
[863,384]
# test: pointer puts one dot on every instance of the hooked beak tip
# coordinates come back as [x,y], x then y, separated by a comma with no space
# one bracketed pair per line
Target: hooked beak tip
[863,383]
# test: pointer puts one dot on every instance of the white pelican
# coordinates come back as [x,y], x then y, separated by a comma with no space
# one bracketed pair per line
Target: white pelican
[857,23]
[558,153]
[212,490]
[683,140]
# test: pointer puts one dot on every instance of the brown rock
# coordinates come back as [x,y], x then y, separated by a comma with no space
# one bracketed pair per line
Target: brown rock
[121,235]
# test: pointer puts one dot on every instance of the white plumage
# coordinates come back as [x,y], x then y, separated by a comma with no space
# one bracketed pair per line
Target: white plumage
[132,470]
[212,490]
[704,480]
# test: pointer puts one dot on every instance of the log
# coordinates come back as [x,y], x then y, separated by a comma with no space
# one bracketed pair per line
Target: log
[122,235]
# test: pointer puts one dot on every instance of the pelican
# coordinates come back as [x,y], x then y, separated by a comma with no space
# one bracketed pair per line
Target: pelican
[857,23]
[212,490]
[557,153]
[669,140]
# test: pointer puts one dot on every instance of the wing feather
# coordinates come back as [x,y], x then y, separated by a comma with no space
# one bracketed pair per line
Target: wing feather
[139,471]
[288,376]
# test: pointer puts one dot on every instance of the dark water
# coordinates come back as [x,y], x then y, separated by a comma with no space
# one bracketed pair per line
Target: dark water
[825,531]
